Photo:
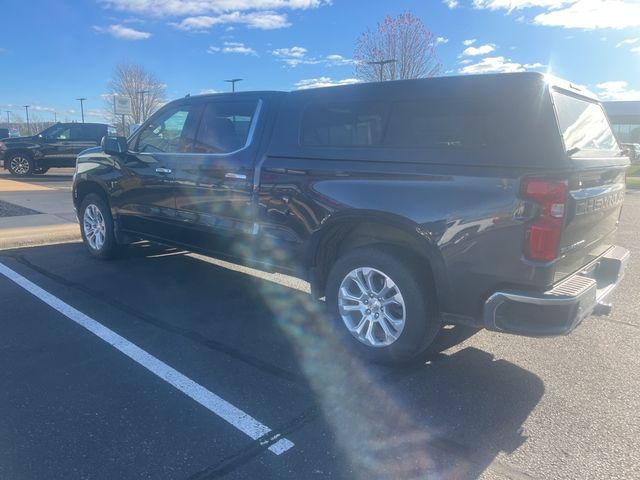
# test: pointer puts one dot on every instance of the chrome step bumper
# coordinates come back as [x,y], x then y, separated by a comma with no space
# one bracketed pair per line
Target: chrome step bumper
[559,310]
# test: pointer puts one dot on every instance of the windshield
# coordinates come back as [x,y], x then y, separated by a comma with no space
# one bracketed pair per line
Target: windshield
[585,128]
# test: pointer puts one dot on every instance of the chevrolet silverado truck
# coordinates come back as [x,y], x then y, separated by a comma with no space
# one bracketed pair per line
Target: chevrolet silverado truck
[56,146]
[487,201]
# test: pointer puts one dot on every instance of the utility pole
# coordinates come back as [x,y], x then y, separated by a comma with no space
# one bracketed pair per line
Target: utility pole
[82,99]
[55,117]
[26,109]
[233,82]
[382,63]
[9,112]
[142,93]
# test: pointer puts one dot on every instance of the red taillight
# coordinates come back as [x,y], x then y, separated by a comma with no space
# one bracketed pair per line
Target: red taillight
[543,235]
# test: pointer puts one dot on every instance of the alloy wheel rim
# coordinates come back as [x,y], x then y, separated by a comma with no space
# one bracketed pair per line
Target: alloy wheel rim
[94,227]
[19,165]
[372,307]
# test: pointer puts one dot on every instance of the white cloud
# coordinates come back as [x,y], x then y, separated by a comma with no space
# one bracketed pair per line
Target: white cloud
[293,52]
[259,20]
[617,90]
[469,42]
[208,91]
[635,49]
[498,65]
[295,56]
[628,41]
[323,82]
[41,108]
[441,40]
[122,32]
[180,8]
[481,50]
[584,14]
[451,3]
[336,60]
[512,5]
[233,47]
[593,14]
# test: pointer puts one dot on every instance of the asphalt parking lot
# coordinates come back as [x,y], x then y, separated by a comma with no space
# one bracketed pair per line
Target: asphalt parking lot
[164,364]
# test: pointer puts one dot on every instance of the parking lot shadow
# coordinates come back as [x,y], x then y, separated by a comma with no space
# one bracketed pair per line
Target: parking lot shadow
[448,417]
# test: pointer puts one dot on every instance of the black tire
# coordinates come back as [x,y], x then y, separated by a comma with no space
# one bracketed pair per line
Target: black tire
[108,248]
[41,170]
[421,323]
[20,164]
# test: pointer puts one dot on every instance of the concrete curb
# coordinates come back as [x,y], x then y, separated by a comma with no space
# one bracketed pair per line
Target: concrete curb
[36,236]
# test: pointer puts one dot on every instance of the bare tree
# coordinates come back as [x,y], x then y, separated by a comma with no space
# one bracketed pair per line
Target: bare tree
[36,124]
[142,87]
[398,48]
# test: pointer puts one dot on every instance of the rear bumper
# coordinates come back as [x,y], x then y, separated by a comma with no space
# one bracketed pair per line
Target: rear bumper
[559,310]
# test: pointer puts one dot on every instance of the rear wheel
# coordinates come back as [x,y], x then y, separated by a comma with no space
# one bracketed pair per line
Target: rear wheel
[385,307]
[20,164]
[96,225]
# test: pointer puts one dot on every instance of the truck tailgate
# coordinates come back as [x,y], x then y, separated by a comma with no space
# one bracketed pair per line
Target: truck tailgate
[593,210]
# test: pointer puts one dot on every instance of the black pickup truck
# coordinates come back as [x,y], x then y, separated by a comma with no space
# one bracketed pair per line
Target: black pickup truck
[56,146]
[490,201]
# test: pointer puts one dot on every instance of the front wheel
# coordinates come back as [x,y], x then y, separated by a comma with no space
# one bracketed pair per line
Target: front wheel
[20,164]
[96,226]
[384,305]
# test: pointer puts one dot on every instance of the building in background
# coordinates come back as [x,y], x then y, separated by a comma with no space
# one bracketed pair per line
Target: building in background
[625,120]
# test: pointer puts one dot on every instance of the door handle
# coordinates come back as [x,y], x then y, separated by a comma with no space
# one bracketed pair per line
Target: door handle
[163,170]
[235,176]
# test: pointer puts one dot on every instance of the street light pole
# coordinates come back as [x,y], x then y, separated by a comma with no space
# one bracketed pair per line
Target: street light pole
[9,112]
[82,99]
[26,109]
[233,82]
[382,63]
[142,93]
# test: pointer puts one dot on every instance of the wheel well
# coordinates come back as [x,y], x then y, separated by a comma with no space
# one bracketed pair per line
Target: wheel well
[85,188]
[22,151]
[348,235]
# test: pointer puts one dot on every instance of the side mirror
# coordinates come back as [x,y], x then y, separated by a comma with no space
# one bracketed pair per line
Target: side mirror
[114,145]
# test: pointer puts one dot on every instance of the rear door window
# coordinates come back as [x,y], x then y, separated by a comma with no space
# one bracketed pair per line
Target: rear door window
[81,132]
[225,126]
[584,126]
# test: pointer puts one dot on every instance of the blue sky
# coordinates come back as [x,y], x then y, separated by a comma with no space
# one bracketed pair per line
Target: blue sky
[52,52]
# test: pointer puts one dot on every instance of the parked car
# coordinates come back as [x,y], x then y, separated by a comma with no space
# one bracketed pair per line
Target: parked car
[491,201]
[632,150]
[56,146]
[4,133]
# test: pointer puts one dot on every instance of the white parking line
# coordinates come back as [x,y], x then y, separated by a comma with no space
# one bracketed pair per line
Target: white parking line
[236,417]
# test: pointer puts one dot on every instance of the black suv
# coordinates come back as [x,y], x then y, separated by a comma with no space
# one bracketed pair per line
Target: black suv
[489,201]
[56,146]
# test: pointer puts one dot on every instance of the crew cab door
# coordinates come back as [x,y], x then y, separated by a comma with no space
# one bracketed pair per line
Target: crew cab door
[56,145]
[146,202]
[214,184]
